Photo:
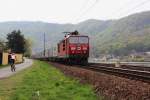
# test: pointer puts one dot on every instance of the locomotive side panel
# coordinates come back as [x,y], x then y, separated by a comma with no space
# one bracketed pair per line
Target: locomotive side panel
[62,50]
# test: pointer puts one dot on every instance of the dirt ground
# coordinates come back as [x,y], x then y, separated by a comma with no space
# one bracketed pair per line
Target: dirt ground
[110,86]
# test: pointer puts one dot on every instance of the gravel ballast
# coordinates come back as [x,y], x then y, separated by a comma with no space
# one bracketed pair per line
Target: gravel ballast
[110,86]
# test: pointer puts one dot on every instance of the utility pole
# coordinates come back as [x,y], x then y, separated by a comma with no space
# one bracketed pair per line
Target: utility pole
[44,45]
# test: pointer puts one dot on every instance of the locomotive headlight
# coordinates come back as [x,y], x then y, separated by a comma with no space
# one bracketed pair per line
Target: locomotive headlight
[84,51]
[73,48]
[84,48]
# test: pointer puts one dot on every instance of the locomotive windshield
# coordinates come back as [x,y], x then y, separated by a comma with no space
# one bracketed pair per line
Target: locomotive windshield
[73,39]
[83,39]
[78,39]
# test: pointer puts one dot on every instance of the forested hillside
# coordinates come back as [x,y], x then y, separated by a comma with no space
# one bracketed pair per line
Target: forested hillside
[119,37]
[126,35]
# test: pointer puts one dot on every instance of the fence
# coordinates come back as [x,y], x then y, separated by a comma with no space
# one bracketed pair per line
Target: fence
[4,60]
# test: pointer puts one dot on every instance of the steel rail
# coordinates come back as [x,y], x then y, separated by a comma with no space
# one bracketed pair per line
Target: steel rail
[131,74]
[124,66]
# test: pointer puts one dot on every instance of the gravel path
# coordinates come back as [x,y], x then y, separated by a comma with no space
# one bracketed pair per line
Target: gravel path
[6,72]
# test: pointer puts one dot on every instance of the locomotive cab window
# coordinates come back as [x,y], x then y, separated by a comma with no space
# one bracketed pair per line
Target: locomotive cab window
[83,39]
[73,39]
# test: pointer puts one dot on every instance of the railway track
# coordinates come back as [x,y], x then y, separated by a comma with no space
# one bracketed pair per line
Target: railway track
[132,72]
[124,66]
[135,67]
[128,73]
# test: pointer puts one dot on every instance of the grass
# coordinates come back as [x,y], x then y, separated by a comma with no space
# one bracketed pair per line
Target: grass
[2,66]
[43,82]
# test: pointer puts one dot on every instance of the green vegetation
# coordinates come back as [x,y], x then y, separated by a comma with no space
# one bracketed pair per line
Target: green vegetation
[16,41]
[124,36]
[43,82]
[2,66]
[118,37]
[2,45]
[28,47]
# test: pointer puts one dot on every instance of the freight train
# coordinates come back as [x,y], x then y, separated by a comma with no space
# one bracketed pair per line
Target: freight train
[72,49]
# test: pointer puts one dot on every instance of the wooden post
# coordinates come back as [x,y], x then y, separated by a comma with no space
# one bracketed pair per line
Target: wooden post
[117,64]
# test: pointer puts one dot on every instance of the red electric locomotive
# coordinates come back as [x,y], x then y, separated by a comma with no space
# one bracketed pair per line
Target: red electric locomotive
[74,48]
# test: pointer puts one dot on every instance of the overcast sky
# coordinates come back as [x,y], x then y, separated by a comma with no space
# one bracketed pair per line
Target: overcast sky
[69,11]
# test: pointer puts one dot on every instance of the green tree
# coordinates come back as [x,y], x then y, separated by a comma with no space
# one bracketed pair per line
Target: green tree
[16,41]
[28,49]
[2,45]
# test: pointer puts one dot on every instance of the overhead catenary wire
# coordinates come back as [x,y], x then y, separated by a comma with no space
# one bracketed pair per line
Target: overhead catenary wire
[117,12]
[135,7]
[91,7]
[85,3]
[86,10]
[120,8]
